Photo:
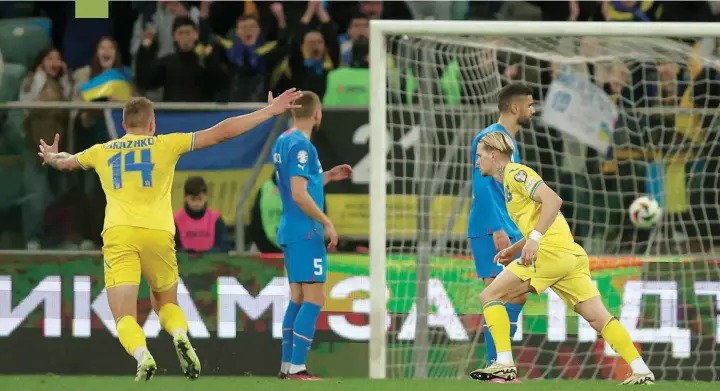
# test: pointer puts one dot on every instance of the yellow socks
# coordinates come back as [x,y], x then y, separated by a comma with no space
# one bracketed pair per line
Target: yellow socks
[172,319]
[498,322]
[131,335]
[615,334]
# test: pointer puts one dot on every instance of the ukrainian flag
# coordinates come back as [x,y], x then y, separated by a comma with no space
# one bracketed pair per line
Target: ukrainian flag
[115,82]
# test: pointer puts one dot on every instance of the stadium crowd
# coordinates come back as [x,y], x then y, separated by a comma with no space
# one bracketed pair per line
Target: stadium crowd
[236,51]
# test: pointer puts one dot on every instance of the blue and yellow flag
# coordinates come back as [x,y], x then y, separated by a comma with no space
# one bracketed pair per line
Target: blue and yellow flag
[115,82]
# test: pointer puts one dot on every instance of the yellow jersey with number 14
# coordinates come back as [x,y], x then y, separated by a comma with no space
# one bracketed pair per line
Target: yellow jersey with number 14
[521,182]
[136,173]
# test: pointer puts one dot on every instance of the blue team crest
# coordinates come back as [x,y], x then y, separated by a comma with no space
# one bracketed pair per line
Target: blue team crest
[302,157]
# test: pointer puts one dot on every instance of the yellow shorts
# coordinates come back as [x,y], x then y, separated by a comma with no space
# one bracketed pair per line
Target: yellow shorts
[565,273]
[132,251]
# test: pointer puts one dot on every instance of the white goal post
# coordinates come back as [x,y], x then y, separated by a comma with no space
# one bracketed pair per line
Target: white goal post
[432,223]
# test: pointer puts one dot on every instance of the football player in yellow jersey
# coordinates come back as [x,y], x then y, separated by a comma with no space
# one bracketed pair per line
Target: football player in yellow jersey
[136,173]
[550,258]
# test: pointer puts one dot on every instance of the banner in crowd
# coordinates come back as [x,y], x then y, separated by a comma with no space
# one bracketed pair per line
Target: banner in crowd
[225,167]
[579,108]
[235,305]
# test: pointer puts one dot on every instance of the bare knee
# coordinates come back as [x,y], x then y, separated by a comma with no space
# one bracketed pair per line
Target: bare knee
[123,300]
[296,293]
[594,312]
[159,299]
[314,293]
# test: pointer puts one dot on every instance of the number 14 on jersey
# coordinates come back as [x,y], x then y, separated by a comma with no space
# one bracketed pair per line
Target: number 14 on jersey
[145,167]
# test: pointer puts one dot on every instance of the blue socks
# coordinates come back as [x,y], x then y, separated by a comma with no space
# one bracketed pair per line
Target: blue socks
[513,311]
[287,332]
[303,333]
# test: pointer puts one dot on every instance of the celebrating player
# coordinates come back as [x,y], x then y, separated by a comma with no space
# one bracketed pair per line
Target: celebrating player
[489,227]
[550,259]
[302,231]
[136,173]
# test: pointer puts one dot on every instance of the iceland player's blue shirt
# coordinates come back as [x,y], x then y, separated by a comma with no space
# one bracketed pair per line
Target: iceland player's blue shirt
[488,212]
[294,155]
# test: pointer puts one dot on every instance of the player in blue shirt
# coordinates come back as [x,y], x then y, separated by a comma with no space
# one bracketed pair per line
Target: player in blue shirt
[489,226]
[302,231]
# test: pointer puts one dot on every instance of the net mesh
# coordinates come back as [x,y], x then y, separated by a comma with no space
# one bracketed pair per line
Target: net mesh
[660,282]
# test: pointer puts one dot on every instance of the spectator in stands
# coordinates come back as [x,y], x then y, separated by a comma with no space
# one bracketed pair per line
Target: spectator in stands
[251,59]
[350,86]
[266,213]
[372,9]
[438,10]
[156,23]
[47,81]
[688,87]
[199,228]
[186,76]
[309,61]
[358,28]
[89,126]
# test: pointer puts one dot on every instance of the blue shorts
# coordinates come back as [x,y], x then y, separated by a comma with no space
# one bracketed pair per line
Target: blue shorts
[306,261]
[483,250]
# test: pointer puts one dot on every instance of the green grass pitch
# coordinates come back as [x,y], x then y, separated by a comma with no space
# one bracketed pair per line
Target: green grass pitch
[248,383]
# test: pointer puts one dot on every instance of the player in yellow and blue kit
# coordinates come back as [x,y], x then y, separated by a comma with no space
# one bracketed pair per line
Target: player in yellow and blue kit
[136,173]
[489,226]
[550,259]
[302,231]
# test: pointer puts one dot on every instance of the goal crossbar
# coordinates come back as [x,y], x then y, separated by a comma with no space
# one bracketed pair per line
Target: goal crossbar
[379,144]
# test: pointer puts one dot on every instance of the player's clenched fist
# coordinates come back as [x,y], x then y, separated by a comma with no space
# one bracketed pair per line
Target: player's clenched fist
[341,172]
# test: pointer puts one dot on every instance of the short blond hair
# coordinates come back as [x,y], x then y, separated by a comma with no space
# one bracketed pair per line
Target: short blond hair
[308,103]
[498,141]
[138,112]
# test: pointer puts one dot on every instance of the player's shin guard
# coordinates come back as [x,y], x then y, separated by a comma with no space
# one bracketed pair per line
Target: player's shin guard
[619,339]
[131,336]
[172,319]
[287,334]
[303,333]
[499,324]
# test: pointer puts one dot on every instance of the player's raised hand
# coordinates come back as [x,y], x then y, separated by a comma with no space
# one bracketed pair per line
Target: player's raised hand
[341,172]
[331,234]
[46,150]
[529,252]
[284,102]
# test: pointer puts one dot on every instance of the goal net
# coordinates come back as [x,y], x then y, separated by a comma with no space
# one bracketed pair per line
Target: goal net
[618,117]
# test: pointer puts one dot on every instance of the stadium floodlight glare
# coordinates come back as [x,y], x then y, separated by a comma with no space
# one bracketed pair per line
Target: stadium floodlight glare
[434,87]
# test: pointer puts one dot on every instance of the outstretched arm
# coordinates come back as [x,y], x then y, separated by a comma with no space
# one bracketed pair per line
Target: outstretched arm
[235,126]
[61,161]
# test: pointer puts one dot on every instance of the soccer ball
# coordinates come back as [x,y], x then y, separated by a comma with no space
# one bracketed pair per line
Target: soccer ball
[645,212]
